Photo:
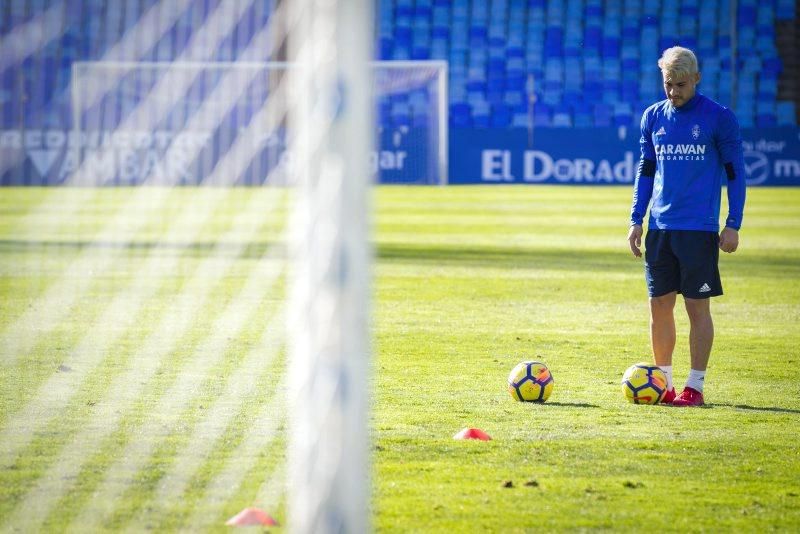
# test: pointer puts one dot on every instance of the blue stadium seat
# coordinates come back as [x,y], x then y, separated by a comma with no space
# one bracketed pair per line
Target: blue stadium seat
[746,119]
[481,115]
[553,92]
[516,45]
[554,70]
[786,113]
[476,79]
[521,120]
[623,114]
[403,8]
[603,114]
[766,113]
[542,114]
[767,88]
[772,66]
[562,118]
[384,111]
[516,101]
[650,7]
[501,116]
[439,48]
[423,8]
[458,90]
[401,114]
[460,115]
[785,10]
[583,115]
[746,86]
[630,90]
[611,91]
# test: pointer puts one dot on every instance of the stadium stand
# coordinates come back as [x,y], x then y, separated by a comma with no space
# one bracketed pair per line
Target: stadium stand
[40,40]
[592,62]
[577,62]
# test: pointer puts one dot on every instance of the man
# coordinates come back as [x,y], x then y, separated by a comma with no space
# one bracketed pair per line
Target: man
[688,143]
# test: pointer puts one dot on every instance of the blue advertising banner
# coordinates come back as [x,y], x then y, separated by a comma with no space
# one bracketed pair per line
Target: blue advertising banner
[602,156]
[132,157]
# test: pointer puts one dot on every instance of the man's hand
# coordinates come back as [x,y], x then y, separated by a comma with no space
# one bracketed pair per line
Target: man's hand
[635,239]
[728,240]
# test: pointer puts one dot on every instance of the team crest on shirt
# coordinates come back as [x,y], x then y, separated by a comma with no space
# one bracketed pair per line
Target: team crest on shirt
[696,131]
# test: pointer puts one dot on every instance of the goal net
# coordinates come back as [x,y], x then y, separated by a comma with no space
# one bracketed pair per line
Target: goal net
[154,123]
[212,341]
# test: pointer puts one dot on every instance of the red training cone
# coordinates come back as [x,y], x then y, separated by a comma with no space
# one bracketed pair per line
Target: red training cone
[473,433]
[249,517]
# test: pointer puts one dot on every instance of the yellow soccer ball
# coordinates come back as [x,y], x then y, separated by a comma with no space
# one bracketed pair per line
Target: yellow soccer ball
[530,382]
[644,383]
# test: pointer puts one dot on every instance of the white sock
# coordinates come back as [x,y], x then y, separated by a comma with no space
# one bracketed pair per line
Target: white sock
[667,371]
[696,379]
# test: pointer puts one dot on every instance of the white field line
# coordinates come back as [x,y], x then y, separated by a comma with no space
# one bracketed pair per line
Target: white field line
[51,308]
[38,503]
[240,384]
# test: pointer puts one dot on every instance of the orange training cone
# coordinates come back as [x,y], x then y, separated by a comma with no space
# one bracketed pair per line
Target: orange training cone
[250,517]
[473,433]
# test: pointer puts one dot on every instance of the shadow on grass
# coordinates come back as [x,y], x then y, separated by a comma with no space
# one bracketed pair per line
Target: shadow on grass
[576,259]
[495,256]
[507,257]
[251,249]
[571,404]
[772,409]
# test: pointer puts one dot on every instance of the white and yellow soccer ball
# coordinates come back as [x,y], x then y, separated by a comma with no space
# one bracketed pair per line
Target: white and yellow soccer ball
[644,383]
[530,382]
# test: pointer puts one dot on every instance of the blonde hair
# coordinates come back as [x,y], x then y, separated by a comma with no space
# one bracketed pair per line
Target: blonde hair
[678,62]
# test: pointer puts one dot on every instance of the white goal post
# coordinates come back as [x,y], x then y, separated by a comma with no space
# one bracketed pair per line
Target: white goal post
[331,135]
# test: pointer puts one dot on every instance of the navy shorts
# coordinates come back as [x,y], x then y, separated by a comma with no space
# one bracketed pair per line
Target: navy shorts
[685,261]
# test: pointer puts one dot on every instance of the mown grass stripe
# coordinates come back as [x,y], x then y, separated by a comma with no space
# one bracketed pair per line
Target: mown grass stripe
[120,476]
[48,490]
[250,374]
[265,429]
[51,308]
[120,314]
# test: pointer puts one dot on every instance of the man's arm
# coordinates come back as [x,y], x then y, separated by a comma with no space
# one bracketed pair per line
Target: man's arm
[642,187]
[635,239]
[729,143]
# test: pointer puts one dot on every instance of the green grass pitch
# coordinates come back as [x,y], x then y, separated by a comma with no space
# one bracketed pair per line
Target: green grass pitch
[138,390]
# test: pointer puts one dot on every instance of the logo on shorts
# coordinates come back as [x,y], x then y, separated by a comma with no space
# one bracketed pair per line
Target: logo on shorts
[704,288]
[662,131]
[696,131]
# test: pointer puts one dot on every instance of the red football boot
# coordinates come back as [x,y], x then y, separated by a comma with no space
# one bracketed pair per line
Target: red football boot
[688,397]
[668,397]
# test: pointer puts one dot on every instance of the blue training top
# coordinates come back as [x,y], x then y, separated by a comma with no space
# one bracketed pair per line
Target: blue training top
[685,152]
